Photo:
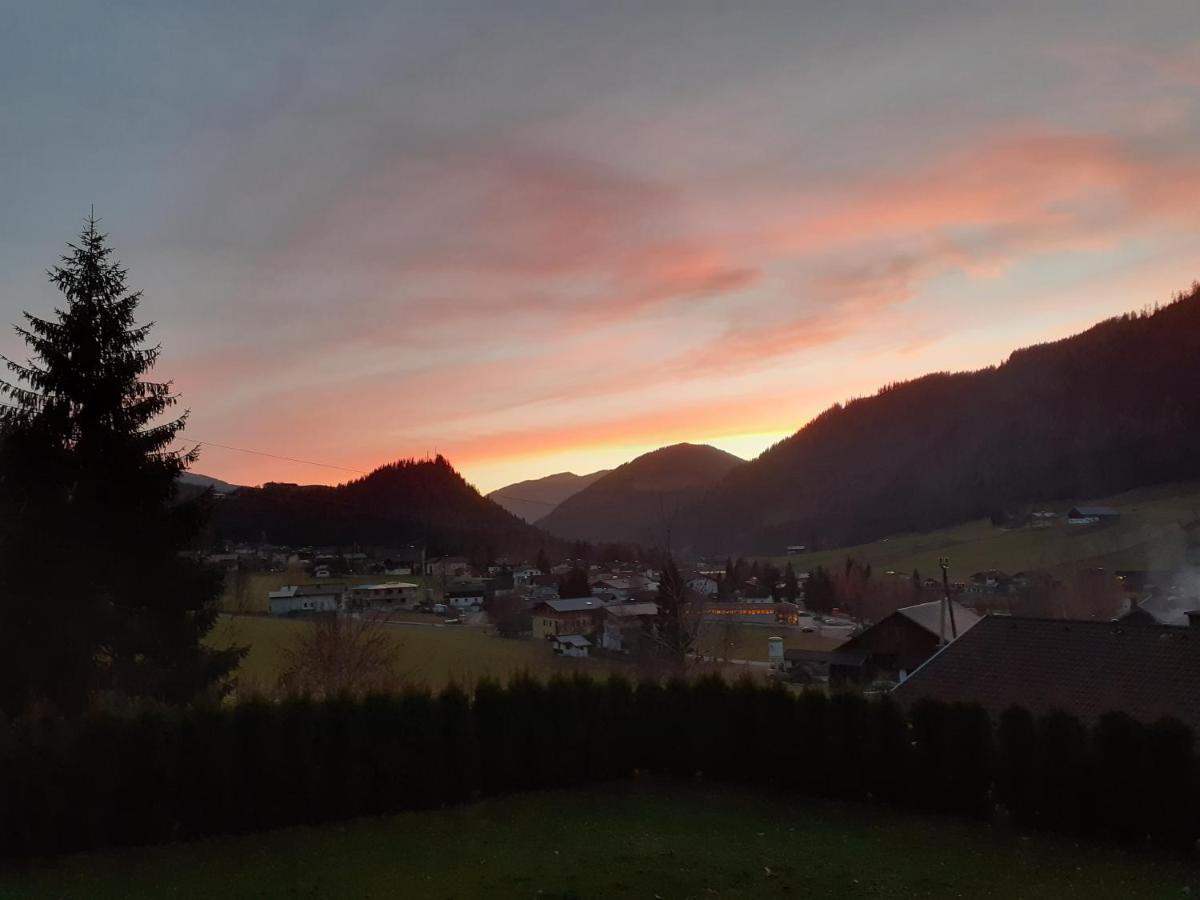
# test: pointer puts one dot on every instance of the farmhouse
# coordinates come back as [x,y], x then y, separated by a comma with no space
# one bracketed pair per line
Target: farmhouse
[1083,668]
[466,595]
[1090,515]
[580,615]
[300,599]
[627,626]
[392,593]
[897,644]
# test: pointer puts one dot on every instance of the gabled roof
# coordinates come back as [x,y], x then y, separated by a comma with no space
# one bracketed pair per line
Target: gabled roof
[574,640]
[632,610]
[574,604]
[929,616]
[305,590]
[1084,668]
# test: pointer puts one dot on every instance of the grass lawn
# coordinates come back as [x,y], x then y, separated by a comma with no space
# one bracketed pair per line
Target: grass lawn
[1147,536]
[432,654]
[627,840]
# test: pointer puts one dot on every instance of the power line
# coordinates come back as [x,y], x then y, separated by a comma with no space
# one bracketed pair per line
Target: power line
[526,499]
[306,462]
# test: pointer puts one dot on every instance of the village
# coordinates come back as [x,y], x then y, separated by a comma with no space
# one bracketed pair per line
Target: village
[877,633]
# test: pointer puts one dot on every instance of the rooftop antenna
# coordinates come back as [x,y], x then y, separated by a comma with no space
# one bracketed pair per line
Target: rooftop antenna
[944,562]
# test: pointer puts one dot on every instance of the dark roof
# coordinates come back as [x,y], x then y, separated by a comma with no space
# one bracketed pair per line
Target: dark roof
[1099,511]
[1084,668]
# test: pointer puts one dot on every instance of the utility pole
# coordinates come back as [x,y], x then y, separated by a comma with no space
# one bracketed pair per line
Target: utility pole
[944,562]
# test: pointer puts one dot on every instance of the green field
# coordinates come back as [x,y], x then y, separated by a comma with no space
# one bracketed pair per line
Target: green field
[1147,536]
[430,654]
[634,840]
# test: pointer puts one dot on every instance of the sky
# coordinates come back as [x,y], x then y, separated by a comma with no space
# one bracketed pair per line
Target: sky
[543,237]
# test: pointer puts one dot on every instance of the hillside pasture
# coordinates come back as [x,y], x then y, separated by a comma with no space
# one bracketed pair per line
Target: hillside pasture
[1147,536]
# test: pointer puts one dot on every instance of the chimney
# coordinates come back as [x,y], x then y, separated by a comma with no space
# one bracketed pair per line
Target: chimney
[1193,618]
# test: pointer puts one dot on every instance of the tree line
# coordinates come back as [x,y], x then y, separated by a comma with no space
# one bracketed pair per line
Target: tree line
[109,780]
[1110,409]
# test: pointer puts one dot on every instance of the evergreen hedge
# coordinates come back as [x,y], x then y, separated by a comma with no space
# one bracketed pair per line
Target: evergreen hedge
[112,780]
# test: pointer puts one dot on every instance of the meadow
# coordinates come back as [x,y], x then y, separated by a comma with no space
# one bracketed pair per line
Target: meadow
[430,653]
[1147,536]
[645,839]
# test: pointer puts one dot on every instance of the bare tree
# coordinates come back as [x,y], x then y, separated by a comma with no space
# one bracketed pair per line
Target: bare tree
[508,612]
[680,618]
[343,654]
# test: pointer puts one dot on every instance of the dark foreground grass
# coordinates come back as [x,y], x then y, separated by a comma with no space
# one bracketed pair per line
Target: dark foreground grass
[621,841]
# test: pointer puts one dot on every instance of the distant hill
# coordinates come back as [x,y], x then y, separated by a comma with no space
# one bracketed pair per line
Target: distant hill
[536,498]
[640,501]
[1113,408]
[412,501]
[203,482]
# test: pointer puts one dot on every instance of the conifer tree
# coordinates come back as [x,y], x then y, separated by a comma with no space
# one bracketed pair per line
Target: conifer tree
[791,584]
[95,594]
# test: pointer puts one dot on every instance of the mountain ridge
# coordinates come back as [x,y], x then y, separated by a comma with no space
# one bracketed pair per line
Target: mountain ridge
[1108,409]
[535,498]
[638,501]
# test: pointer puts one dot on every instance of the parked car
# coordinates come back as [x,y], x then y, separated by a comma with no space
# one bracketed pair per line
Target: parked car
[457,620]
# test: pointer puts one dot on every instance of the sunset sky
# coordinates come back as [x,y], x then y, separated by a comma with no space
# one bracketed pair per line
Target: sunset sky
[538,237]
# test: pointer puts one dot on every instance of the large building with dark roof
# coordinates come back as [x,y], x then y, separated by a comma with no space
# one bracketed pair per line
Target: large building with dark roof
[897,644]
[1082,668]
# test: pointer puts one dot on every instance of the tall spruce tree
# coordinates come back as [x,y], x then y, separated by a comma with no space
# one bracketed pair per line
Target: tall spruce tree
[95,595]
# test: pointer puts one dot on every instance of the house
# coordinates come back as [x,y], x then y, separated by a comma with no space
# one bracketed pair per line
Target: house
[704,584]
[543,591]
[897,644]
[1083,668]
[627,626]
[302,599]
[1041,518]
[1090,515]
[570,645]
[611,588]
[796,549]
[465,595]
[403,594]
[449,567]
[525,574]
[579,615]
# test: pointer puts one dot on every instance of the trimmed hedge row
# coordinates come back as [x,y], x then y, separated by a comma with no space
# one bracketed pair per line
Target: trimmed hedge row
[112,781]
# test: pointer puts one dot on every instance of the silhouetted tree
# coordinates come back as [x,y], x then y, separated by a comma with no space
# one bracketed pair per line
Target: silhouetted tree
[679,616]
[95,593]
[543,561]
[820,594]
[574,584]
[791,586]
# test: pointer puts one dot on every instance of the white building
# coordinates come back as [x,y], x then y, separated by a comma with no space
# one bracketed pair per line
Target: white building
[465,596]
[703,584]
[298,599]
[570,645]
